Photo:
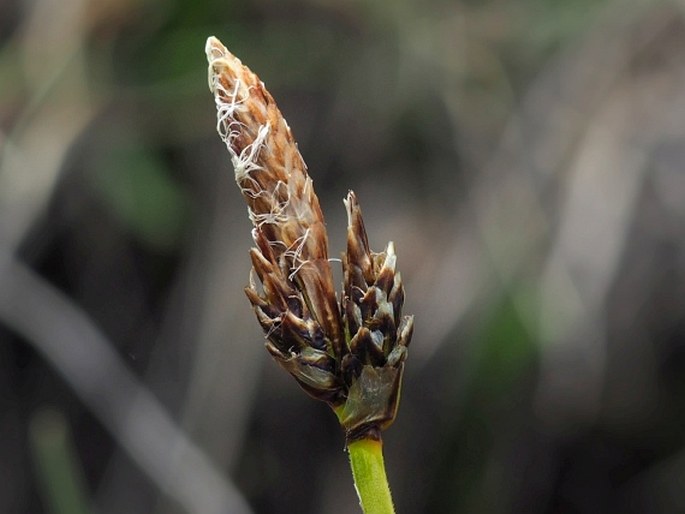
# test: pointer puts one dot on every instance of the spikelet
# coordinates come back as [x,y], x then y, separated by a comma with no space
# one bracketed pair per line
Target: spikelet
[289,227]
[378,334]
[349,354]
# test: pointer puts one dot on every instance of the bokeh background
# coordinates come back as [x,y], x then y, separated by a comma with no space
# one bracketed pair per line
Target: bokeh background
[527,159]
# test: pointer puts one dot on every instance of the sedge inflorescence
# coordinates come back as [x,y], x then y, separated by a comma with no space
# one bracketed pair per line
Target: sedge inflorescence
[349,352]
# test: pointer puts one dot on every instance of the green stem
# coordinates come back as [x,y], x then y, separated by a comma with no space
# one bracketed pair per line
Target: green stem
[58,469]
[368,470]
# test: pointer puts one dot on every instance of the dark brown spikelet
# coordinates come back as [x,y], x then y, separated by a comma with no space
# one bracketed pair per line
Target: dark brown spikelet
[350,354]
[377,333]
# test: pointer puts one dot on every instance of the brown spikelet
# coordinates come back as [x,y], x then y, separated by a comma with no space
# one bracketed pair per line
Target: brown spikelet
[378,333]
[349,354]
[273,179]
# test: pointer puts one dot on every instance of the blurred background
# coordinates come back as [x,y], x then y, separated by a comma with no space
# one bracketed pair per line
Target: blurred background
[527,159]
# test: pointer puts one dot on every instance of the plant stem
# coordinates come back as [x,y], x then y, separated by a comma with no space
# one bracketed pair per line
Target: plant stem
[57,465]
[368,471]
